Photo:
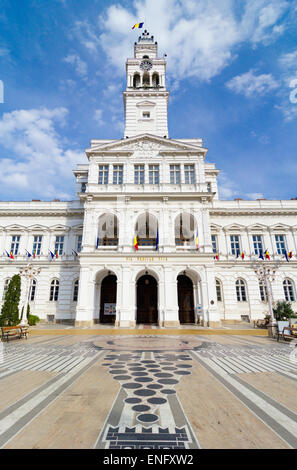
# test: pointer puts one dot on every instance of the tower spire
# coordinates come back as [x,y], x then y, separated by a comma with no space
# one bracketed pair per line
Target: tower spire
[146,97]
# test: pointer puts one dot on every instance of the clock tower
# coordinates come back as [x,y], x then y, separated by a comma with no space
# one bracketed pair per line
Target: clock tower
[146,97]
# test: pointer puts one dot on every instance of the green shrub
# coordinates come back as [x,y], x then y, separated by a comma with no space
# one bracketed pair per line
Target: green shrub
[10,309]
[33,319]
[283,310]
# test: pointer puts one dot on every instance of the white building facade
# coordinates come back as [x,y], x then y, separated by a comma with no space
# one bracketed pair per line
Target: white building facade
[196,255]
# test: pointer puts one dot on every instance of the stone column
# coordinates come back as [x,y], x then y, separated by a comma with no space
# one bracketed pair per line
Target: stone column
[86,295]
[171,317]
[126,300]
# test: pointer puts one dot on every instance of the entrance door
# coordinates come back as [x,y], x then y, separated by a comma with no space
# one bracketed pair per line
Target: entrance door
[147,300]
[108,299]
[185,299]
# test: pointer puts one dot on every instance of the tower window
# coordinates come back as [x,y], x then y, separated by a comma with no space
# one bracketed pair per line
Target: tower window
[146,114]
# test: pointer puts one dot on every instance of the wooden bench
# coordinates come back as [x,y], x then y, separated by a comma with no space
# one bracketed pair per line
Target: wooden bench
[285,331]
[14,331]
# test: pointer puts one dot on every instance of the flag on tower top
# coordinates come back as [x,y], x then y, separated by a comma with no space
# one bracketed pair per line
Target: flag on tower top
[138,25]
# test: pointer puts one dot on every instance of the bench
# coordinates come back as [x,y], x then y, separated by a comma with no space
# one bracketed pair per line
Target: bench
[285,331]
[14,331]
[261,323]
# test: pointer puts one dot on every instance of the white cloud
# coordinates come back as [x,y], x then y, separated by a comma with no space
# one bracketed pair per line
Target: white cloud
[227,188]
[255,196]
[37,164]
[250,84]
[80,66]
[200,37]
[98,116]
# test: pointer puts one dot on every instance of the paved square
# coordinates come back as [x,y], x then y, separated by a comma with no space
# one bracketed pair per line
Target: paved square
[148,391]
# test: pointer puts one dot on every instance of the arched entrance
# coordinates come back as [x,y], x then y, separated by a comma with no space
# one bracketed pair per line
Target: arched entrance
[185,299]
[108,299]
[147,300]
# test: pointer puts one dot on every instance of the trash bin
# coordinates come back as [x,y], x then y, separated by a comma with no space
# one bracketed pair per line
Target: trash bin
[272,330]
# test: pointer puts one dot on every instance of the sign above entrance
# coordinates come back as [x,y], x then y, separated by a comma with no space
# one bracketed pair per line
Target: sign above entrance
[146,260]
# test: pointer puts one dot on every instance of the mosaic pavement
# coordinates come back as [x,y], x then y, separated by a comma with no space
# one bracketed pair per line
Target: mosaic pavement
[182,392]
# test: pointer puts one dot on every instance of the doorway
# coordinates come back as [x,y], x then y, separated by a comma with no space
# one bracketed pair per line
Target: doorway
[108,299]
[147,300]
[185,299]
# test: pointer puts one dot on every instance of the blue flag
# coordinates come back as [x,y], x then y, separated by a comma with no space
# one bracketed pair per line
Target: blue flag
[261,255]
[28,254]
[237,254]
[76,254]
[52,254]
[97,242]
[286,256]
[157,240]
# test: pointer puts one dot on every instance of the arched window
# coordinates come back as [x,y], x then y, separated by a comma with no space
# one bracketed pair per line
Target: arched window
[147,229]
[108,230]
[136,80]
[263,291]
[155,79]
[185,229]
[32,290]
[145,57]
[6,284]
[219,290]
[146,79]
[75,290]
[54,290]
[240,290]
[289,290]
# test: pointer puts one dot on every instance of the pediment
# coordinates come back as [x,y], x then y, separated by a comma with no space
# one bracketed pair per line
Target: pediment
[36,227]
[145,142]
[59,228]
[279,227]
[142,104]
[259,227]
[15,227]
[234,227]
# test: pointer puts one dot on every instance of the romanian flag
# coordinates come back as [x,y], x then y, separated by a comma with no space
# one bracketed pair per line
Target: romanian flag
[267,255]
[138,25]
[11,255]
[34,254]
[135,242]
[57,254]
[242,255]
[290,254]
[217,256]
[197,241]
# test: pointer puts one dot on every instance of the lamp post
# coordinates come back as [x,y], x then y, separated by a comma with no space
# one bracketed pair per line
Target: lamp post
[266,274]
[28,273]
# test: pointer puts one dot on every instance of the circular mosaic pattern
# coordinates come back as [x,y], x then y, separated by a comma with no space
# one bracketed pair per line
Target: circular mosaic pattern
[141,408]
[184,365]
[182,372]
[143,379]
[133,400]
[168,381]
[169,368]
[122,377]
[163,375]
[139,374]
[148,362]
[168,391]
[137,369]
[144,392]
[147,418]
[132,385]
[155,386]
[157,401]
[118,371]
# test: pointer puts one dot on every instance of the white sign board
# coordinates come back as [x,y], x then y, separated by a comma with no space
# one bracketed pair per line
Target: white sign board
[109,309]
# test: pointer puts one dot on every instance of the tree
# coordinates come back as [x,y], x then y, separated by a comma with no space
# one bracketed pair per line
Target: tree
[10,309]
[283,310]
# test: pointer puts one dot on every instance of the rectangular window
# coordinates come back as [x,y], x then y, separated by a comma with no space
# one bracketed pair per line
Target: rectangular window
[117,174]
[15,244]
[280,244]
[214,243]
[153,174]
[59,245]
[103,174]
[208,187]
[146,114]
[83,187]
[175,174]
[258,244]
[138,174]
[263,292]
[78,243]
[189,174]
[37,242]
[235,245]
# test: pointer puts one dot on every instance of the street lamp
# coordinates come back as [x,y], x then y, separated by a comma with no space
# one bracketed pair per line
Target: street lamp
[28,273]
[266,274]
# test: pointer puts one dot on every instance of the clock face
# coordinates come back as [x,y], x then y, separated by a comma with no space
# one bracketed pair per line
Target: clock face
[146,65]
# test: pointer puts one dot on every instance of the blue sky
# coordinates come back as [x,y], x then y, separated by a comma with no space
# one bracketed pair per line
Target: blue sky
[231,70]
